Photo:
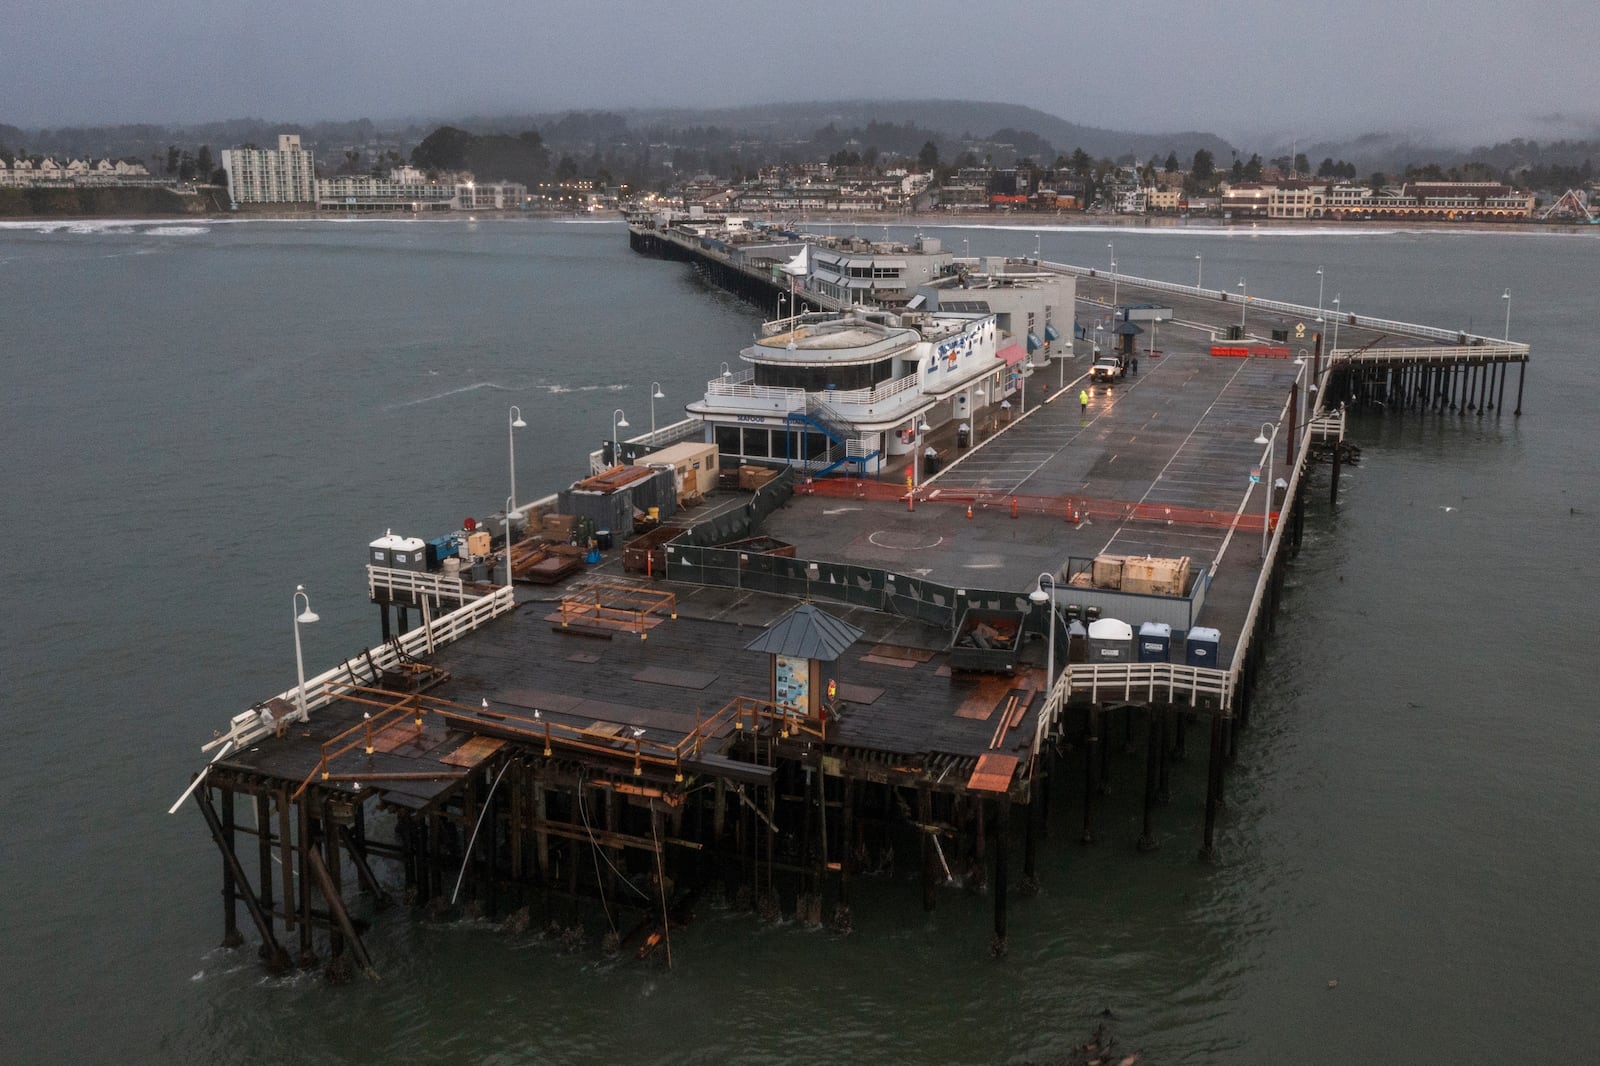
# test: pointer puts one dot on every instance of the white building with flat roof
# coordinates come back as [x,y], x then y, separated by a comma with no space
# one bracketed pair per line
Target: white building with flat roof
[286,175]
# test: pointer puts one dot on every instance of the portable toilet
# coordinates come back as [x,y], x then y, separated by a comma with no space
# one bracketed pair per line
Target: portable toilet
[381,551]
[1204,647]
[408,553]
[1110,641]
[1077,642]
[1155,642]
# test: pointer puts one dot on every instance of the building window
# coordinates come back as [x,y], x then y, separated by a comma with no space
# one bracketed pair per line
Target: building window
[757,444]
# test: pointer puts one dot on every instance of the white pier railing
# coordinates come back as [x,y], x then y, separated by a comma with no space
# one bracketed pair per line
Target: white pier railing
[366,669]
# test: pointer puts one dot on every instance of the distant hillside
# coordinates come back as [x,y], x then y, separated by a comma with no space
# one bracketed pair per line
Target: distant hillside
[1392,152]
[952,120]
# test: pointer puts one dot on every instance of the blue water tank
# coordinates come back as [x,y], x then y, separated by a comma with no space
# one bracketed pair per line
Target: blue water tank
[1155,642]
[1204,647]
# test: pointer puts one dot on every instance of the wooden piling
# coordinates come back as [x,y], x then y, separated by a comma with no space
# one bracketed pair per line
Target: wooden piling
[277,958]
[1152,771]
[308,955]
[231,937]
[264,875]
[1213,788]
[1002,831]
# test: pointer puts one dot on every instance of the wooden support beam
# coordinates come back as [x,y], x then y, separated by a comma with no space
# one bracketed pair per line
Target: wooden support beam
[1091,769]
[363,869]
[1002,833]
[609,838]
[286,859]
[1213,789]
[333,892]
[1152,773]
[277,958]
[263,803]
[330,894]
[308,955]
[230,886]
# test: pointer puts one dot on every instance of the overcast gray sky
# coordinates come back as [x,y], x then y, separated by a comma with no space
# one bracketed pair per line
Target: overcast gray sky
[1479,69]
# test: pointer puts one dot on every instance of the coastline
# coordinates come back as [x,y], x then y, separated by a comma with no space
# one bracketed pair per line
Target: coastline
[1058,221]
[1055,222]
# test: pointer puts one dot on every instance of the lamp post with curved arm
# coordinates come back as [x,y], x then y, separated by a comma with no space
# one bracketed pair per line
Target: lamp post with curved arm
[508,542]
[1039,596]
[306,616]
[514,418]
[1266,511]
[619,422]
[916,453]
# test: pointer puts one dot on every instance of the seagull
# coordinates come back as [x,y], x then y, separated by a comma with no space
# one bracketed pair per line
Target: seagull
[366,714]
[486,702]
[637,731]
[1447,510]
[536,712]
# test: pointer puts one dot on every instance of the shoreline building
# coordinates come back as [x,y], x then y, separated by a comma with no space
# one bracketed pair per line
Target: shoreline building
[286,175]
[1444,201]
[409,189]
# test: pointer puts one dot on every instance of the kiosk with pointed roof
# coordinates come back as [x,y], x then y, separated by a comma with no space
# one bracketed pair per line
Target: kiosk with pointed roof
[804,645]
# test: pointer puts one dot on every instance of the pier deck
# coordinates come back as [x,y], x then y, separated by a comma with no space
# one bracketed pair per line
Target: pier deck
[625,728]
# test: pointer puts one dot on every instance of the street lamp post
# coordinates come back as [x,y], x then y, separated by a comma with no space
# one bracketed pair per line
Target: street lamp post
[1036,248]
[515,423]
[619,422]
[1266,511]
[1244,302]
[1039,596]
[1199,270]
[1336,316]
[1320,280]
[1506,296]
[916,453]
[655,394]
[726,373]
[1112,246]
[508,542]
[306,616]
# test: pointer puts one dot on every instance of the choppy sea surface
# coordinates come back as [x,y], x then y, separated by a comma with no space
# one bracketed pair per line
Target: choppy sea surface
[198,417]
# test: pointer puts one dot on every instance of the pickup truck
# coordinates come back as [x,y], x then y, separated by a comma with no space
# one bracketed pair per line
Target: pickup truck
[1108,367]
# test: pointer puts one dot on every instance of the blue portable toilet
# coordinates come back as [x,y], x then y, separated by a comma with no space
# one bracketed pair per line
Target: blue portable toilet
[1155,642]
[1204,647]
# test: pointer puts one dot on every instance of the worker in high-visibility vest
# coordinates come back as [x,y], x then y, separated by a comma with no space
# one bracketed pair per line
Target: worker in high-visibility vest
[1083,400]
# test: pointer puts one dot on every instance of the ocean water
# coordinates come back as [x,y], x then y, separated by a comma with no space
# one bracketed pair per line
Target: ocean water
[198,417]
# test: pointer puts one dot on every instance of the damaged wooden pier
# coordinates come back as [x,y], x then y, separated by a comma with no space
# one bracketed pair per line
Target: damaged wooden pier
[803,683]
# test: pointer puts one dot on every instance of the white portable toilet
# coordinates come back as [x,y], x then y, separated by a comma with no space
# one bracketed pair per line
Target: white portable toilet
[1110,641]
